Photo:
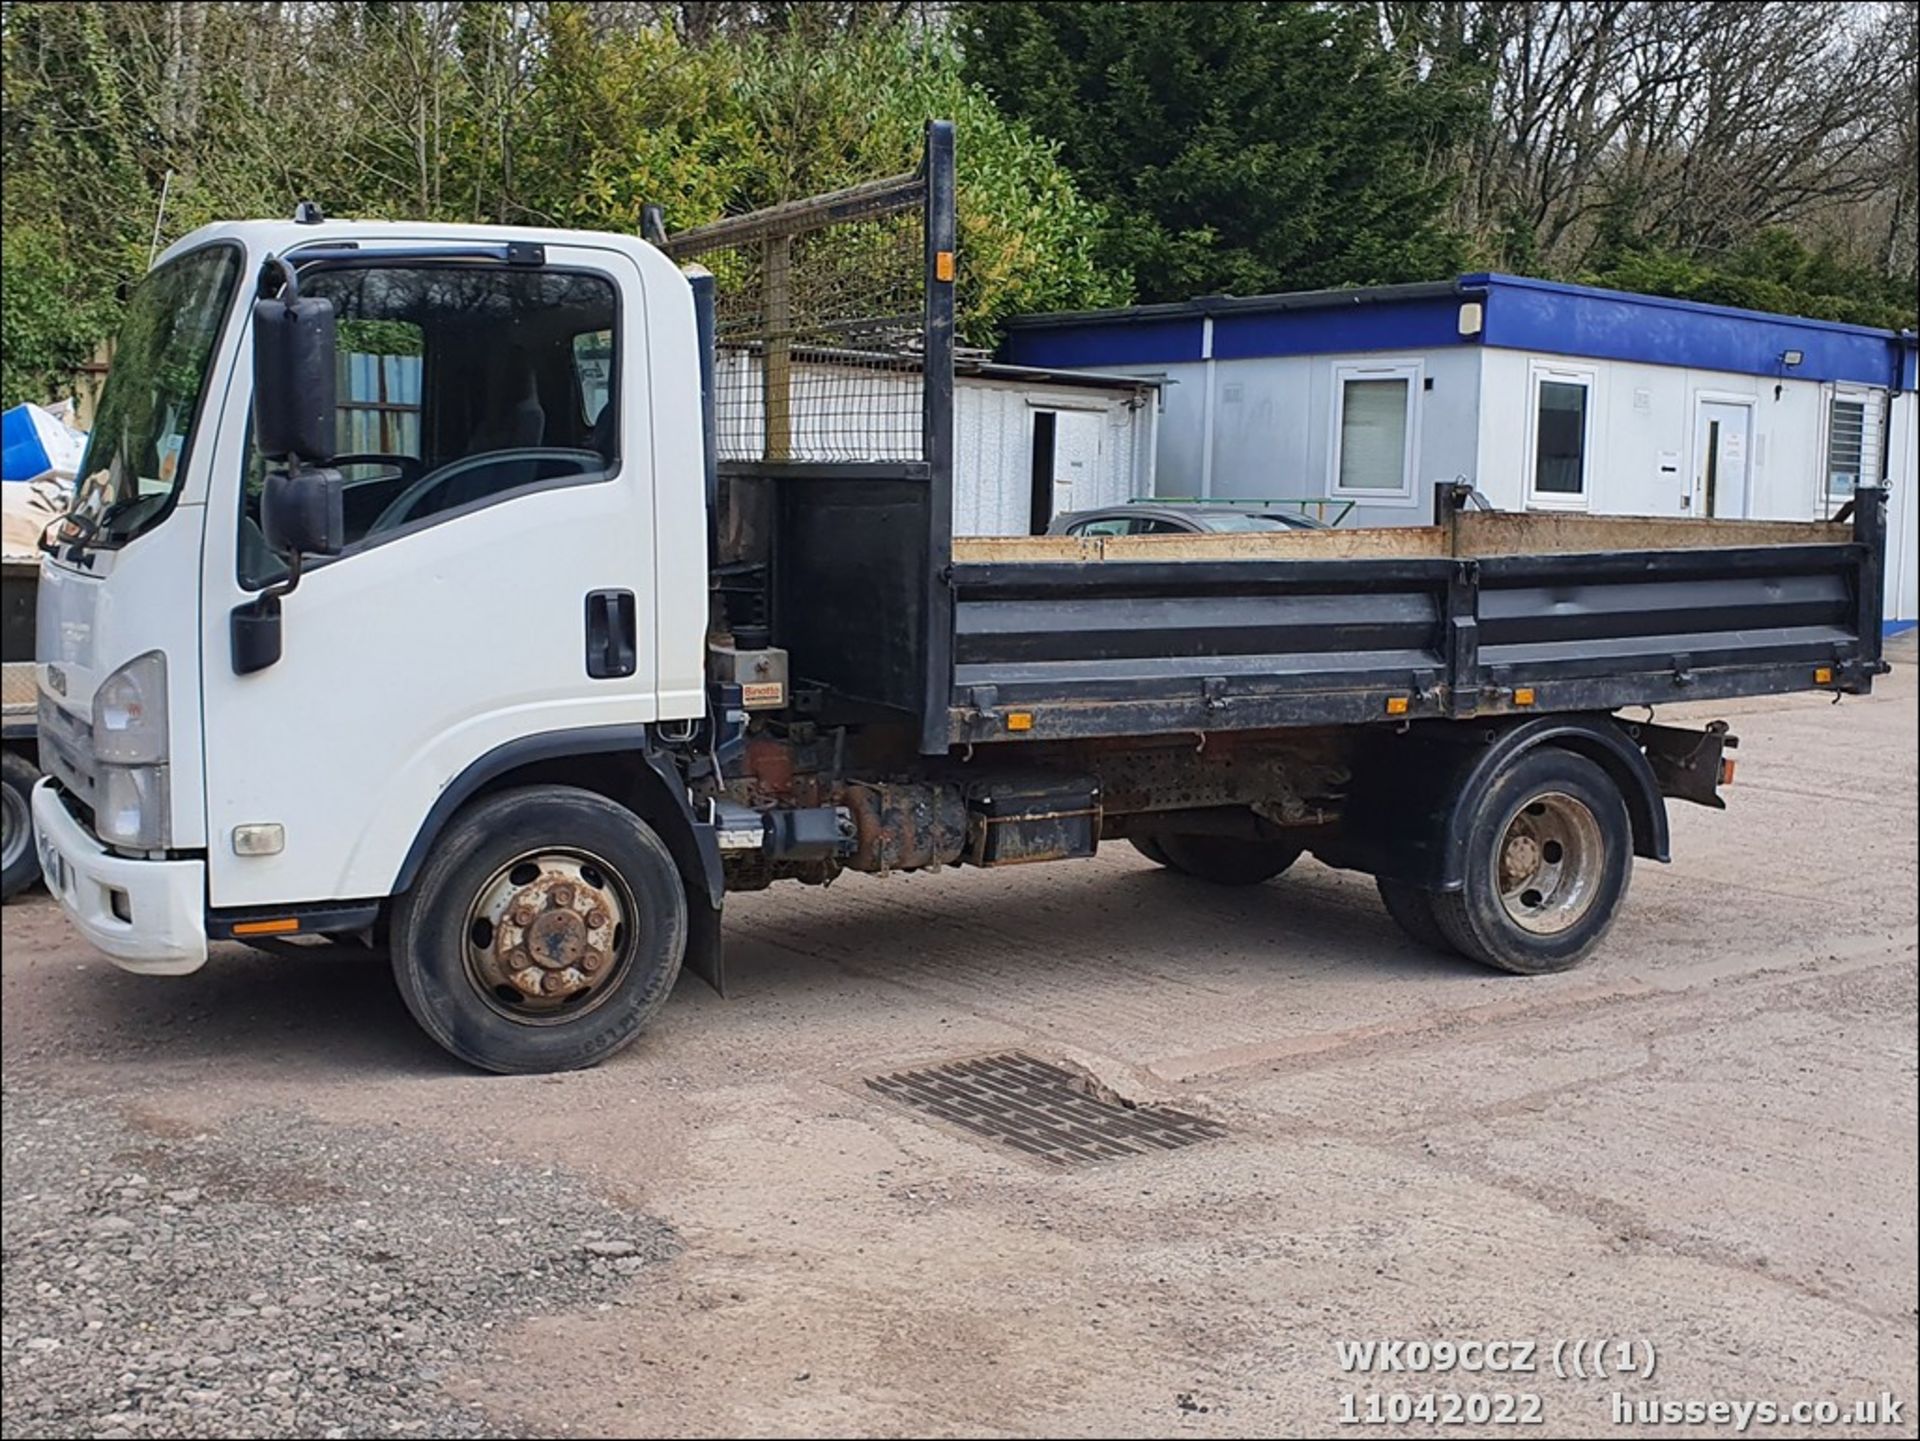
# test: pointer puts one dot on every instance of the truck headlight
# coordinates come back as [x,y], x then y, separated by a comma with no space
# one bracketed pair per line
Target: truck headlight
[130,713]
[130,807]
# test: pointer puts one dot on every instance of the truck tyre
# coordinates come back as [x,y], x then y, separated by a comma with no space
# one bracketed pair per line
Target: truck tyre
[1412,910]
[1548,854]
[1226,861]
[19,861]
[544,931]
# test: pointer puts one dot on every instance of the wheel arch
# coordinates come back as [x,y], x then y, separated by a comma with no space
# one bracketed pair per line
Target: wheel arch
[1410,821]
[627,766]
[1601,740]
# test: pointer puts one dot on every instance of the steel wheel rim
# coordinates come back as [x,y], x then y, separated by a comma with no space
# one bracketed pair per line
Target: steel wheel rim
[16,827]
[549,936]
[1549,863]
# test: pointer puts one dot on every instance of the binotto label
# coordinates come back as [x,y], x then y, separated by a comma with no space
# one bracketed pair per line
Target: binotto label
[763,692]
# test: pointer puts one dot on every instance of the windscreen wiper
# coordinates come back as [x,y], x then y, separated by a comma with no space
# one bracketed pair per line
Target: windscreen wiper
[87,525]
[91,528]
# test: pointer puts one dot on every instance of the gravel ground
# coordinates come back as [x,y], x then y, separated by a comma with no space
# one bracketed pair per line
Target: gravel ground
[278,1276]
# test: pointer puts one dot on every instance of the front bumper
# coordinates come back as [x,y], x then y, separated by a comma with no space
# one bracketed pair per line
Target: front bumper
[159,927]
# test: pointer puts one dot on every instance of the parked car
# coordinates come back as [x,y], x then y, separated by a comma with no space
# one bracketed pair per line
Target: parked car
[1176,520]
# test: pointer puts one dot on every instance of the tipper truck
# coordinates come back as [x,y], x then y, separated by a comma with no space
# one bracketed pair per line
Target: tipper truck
[506,597]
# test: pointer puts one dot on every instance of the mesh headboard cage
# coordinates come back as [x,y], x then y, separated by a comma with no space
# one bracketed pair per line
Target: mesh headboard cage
[820,325]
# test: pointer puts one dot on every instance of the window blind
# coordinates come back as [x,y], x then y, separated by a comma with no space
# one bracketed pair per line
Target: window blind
[1373,434]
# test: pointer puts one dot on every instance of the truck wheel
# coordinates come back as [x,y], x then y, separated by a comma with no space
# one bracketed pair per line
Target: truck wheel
[546,928]
[1226,861]
[1412,910]
[19,862]
[1547,866]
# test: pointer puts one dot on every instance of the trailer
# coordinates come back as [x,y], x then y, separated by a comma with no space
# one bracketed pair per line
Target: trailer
[657,599]
[26,508]
[19,867]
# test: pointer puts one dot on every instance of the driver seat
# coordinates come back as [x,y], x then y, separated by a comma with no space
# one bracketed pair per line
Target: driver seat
[514,420]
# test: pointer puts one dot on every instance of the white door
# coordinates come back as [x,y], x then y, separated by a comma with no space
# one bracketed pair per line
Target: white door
[462,615]
[1077,437]
[1723,458]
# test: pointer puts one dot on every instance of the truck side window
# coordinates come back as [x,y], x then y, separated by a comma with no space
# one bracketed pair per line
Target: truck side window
[593,372]
[459,386]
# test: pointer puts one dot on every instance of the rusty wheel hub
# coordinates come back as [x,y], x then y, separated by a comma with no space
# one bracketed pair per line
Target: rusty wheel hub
[1552,860]
[546,935]
[1520,859]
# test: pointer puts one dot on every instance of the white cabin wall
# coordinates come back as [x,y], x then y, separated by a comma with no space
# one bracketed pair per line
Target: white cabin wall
[1273,438]
[993,450]
[838,407]
[1177,428]
[1274,426]
[1272,429]
[1902,593]
[1644,423]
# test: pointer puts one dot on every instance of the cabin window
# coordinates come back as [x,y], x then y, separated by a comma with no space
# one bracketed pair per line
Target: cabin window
[593,372]
[1374,430]
[461,386]
[1562,440]
[1846,446]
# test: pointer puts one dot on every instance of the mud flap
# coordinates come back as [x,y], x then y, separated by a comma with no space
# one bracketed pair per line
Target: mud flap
[1688,764]
[705,954]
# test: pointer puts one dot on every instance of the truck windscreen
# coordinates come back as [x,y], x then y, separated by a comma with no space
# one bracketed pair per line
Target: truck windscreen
[152,405]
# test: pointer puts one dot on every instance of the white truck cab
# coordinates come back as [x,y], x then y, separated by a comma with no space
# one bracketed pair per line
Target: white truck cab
[520,445]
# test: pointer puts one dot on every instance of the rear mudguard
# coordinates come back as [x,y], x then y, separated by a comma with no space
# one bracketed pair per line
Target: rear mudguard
[1408,812]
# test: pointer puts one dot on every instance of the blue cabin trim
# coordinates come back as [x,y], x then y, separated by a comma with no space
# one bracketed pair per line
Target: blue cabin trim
[1399,325]
[1539,316]
[1147,342]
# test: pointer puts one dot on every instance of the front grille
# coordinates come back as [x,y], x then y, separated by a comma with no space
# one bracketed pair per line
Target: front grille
[66,749]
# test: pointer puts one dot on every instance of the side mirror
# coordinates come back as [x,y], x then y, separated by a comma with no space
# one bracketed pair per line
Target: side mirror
[293,378]
[303,512]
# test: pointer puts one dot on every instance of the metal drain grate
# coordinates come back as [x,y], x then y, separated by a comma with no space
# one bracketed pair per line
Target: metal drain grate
[1041,1109]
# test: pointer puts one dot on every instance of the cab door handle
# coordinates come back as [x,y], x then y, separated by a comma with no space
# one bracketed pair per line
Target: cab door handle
[612,641]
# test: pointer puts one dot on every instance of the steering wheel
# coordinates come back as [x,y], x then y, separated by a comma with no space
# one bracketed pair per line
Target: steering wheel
[409,466]
[402,507]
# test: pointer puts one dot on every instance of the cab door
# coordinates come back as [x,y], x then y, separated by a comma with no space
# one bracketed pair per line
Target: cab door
[496,583]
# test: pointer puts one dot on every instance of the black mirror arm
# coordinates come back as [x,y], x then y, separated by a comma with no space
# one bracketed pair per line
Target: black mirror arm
[272,593]
[254,625]
[278,265]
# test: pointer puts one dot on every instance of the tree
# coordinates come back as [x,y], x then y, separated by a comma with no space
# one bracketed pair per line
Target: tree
[127,124]
[1680,132]
[1236,147]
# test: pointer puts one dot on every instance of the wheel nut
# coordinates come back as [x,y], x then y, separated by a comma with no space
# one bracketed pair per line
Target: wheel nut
[596,918]
[562,895]
[523,915]
[592,961]
[557,983]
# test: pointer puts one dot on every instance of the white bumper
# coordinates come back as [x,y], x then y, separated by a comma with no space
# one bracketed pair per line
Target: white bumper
[165,901]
